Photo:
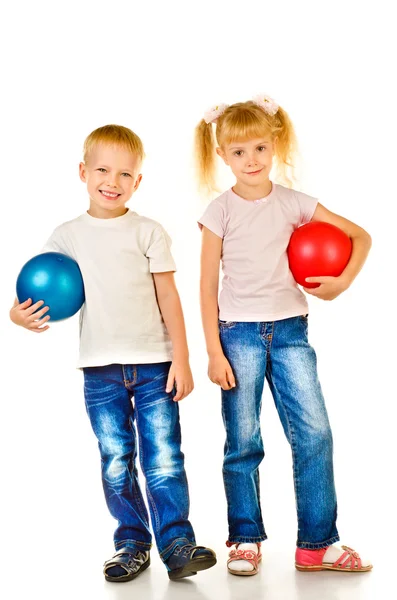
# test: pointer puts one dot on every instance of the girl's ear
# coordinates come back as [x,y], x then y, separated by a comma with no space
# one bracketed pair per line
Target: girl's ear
[221,153]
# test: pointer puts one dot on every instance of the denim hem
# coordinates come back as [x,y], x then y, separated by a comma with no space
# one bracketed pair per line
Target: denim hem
[132,544]
[238,539]
[166,553]
[318,545]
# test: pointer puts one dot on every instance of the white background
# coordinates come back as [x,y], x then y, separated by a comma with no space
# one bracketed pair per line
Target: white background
[155,67]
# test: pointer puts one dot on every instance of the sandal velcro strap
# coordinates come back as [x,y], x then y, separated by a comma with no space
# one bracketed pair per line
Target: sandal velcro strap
[131,554]
[131,560]
[187,560]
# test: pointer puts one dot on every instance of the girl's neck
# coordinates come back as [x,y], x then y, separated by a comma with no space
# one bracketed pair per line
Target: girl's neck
[253,192]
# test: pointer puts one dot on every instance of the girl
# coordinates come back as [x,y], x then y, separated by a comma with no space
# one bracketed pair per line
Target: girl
[259,330]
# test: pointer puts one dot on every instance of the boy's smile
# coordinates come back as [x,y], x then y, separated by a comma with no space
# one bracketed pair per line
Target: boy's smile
[109,194]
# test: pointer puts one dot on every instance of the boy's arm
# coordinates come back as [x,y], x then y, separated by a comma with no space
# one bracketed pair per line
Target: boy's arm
[171,310]
[331,287]
[25,314]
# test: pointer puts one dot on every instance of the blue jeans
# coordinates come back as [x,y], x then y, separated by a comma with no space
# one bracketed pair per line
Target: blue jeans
[280,352]
[108,394]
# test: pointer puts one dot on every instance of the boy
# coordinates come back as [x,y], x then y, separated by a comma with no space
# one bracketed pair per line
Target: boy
[131,328]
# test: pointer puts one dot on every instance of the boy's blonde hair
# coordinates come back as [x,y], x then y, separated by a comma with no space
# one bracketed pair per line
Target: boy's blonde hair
[242,122]
[114,135]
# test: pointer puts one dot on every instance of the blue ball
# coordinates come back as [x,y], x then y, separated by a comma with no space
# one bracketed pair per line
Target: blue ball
[54,278]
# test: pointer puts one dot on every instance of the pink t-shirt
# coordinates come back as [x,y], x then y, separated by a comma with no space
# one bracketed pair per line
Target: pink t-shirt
[257,282]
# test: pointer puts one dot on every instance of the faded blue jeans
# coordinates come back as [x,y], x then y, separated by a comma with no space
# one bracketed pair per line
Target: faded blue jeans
[280,352]
[116,396]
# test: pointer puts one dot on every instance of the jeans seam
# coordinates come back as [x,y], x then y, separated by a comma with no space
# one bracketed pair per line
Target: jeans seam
[227,485]
[126,381]
[292,443]
[271,341]
[150,498]
[141,510]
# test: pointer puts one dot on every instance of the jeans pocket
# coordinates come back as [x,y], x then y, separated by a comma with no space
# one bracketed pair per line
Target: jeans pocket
[226,324]
[304,320]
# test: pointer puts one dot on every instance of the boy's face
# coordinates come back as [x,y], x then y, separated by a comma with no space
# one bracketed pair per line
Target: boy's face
[112,175]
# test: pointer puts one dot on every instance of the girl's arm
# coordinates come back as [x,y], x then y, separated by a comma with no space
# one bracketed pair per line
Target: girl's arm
[331,287]
[171,310]
[219,370]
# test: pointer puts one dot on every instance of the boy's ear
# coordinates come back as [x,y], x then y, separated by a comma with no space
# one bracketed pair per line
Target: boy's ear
[221,153]
[82,172]
[137,182]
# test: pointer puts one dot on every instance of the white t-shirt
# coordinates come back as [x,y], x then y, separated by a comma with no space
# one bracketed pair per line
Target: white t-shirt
[257,282]
[120,321]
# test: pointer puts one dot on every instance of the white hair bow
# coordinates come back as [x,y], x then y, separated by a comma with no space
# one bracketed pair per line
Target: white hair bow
[265,102]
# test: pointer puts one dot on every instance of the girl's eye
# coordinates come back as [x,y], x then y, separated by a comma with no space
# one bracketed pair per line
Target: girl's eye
[238,152]
[262,148]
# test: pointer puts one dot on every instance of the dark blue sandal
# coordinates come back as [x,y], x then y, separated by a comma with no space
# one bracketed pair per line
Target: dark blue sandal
[126,564]
[187,559]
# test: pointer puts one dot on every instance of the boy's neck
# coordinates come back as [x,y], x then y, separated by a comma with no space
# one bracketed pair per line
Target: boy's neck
[250,192]
[97,213]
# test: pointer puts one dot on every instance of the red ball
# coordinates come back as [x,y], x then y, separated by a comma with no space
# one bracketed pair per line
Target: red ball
[318,249]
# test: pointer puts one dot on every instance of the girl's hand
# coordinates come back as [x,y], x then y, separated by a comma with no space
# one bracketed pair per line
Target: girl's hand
[330,288]
[180,375]
[220,372]
[25,315]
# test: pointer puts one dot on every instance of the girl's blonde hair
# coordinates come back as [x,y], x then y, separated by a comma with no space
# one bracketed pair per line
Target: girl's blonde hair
[114,135]
[241,122]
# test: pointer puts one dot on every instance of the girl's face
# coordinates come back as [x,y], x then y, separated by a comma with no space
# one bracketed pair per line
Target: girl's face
[251,161]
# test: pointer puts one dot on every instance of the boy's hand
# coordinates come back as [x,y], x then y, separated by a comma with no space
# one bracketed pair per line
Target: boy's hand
[180,375]
[330,287]
[220,372]
[22,314]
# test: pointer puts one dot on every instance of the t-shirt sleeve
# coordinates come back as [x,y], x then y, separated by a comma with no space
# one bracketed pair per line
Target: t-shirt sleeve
[159,252]
[306,207]
[57,242]
[214,219]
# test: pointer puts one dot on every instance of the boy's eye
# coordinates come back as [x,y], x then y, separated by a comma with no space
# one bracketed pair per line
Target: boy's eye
[102,170]
[126,174]
[238,152]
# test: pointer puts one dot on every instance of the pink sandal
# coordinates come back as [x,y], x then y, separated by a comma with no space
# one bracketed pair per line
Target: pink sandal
[348,561]
[249,555]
